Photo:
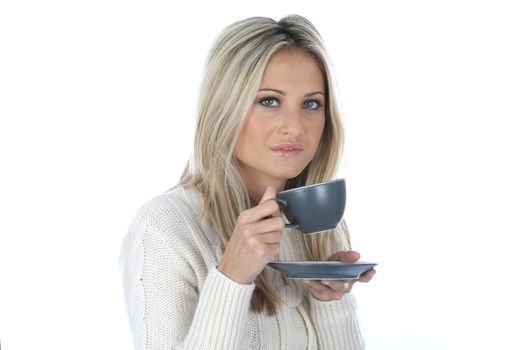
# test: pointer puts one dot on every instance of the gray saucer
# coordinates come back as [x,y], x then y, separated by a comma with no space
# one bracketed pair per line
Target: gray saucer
[322,270]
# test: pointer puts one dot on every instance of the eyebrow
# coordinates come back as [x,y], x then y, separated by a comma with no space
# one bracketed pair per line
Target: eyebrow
[282,92]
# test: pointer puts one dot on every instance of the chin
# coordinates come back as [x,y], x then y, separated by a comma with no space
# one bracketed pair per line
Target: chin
[287,174]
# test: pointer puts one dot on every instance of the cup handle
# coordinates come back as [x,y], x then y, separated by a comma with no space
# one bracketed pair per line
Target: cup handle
[282,204]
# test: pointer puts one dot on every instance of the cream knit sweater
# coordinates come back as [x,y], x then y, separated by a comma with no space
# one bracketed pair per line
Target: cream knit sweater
[177,299]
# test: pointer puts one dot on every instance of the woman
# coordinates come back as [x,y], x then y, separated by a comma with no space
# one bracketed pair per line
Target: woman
[195,258]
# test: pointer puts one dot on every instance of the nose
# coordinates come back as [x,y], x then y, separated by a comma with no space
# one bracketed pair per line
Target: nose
[291,122]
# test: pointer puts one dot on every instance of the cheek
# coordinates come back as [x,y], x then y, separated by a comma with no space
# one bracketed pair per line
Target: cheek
[252,134]
[255,130]
[317,129]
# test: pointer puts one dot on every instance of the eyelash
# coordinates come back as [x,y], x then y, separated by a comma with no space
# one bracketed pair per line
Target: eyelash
[317,102]
[264,100]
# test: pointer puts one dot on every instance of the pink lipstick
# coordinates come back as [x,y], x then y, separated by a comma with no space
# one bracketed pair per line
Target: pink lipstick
[287,149]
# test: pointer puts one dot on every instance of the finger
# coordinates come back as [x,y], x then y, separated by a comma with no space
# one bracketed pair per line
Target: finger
[261,212]
[343,286]
[268,225]
[322,292]
[270,208]
[269,193]
[348,286]
[367,276]
[347,256]
[319,287]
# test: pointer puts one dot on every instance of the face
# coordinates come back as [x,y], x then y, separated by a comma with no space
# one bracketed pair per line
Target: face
[285,124]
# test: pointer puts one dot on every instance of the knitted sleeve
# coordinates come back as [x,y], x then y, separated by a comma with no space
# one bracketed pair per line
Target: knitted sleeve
[173,301]
[336,323]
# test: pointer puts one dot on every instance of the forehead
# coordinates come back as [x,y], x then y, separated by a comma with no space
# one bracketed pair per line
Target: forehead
[293,69]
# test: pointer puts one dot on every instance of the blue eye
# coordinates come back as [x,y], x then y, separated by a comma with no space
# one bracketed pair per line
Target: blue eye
[269,102]
[311,104]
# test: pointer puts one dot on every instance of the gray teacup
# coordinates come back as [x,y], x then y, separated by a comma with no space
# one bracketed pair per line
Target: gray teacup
[314,208]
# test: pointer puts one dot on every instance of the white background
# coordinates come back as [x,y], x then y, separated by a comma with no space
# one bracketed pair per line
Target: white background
[97,102]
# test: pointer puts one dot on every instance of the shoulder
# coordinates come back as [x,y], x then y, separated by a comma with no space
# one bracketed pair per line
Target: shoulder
[174,219]
[170,208]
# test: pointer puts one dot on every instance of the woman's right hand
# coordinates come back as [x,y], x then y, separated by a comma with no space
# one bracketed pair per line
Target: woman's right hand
[255,240]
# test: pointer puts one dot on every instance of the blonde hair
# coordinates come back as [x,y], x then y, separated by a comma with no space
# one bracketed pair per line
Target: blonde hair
[233,73]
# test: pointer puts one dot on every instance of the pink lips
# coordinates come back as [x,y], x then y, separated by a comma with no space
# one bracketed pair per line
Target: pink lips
[287,149]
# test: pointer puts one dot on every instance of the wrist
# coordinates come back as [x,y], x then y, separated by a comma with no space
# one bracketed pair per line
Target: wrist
[222,268]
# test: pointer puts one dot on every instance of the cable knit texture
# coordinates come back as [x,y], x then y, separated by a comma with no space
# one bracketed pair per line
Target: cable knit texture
[177,299]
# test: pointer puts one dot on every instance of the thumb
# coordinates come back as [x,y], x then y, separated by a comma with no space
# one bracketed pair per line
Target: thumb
[347,256]
[269,193]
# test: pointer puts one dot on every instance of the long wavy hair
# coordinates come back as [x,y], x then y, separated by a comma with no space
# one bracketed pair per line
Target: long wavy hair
[232,76]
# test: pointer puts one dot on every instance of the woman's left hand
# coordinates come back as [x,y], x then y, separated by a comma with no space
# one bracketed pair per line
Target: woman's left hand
[335,289]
